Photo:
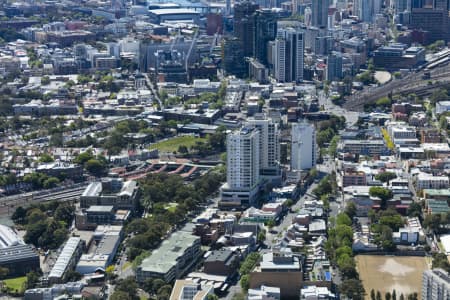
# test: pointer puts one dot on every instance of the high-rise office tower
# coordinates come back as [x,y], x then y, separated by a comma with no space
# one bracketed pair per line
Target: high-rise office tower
[367,9]
[402,5]
[435,285]
[288,55]
[355,8]
[244,25]
[243,165]
[416,4]
[303,147]
[279,59]
[441,4]
[308,16]
[233,61]
[320,13]
[334,66]
[266,30]
[294,7]
[269,144]
[435,21]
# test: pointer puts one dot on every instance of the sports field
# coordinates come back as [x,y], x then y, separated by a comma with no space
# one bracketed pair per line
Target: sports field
[386,273]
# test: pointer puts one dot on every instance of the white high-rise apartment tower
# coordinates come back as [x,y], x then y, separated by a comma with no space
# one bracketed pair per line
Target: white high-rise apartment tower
[243,164]
[303,147]
[288,55]
[269,144]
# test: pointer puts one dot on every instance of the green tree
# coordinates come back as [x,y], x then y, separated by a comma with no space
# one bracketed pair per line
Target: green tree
[51,182]
[158,284]
[353,289]
[32,279]
[343,219]
[72,276]
[387,296]
[432,221]
[46,158]
[249,263]
[414,210]
[378,296]
[245,282]
[164,292]
[350,210]
[129,286]
[45,80]
[96,167]
[120,295]
[82,158]
[443,124]
[3,273]
[440,261]
[372,295]
[439,95]
[382,193]
[65,213]
[393,221]
[183,149]
[56,139]
[147,285]
[19,215]
[270,223]
[385,176]
[324,187]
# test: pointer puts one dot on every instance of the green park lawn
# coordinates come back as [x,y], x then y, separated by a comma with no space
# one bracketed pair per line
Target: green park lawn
[172,144]
[17,283]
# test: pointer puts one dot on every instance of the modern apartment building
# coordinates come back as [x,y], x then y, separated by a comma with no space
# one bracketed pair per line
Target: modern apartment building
[288,55]
[435,285]
[172,259]
[269,144]
[243,166]
[304,148]
[363,147]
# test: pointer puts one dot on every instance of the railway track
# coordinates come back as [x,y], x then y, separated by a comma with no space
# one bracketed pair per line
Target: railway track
[27,199]
[413,83]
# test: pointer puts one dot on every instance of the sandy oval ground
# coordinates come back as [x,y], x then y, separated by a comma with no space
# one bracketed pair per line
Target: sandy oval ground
[386,273]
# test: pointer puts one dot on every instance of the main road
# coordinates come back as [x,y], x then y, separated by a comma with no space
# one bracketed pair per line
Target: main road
[351,117]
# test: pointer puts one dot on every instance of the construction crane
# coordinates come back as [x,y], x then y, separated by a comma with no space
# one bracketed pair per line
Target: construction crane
[175,40]
[214,43]
[194,39]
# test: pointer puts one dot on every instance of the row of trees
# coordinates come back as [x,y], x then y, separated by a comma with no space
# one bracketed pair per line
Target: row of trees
[246,267]
[339,250]
[392,296]
[326,130]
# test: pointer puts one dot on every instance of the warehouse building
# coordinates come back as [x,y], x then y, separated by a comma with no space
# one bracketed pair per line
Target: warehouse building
[15,255]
